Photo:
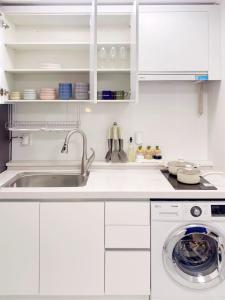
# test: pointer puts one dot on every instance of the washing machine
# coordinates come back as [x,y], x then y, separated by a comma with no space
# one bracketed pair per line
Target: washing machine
[188,250]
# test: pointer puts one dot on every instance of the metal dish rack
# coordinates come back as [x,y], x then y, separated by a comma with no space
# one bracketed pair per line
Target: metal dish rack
[42,125]
[34,126]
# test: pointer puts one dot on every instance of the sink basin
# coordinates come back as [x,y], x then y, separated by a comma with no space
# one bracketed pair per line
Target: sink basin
[44,179]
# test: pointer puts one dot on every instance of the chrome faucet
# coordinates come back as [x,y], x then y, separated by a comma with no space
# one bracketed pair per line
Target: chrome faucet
[86,162]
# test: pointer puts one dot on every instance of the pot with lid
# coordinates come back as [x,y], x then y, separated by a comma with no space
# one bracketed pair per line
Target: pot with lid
[174,166]
[192,175]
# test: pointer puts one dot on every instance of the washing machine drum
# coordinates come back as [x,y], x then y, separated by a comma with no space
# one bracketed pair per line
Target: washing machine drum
[194,256]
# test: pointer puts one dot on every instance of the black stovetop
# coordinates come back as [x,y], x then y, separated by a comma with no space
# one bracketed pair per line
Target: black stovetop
[204,185]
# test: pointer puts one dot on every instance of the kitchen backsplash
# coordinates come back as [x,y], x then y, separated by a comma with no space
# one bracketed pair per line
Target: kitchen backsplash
[167,114]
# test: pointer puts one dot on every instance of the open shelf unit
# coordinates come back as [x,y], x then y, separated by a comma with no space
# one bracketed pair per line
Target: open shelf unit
[28,71]
[72,39]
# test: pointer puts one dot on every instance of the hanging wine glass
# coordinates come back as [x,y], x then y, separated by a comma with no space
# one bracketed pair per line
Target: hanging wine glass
[113,55]
[102,55]
[123,56]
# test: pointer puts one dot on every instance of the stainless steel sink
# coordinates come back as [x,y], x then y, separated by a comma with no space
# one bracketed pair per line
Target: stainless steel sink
[44,179]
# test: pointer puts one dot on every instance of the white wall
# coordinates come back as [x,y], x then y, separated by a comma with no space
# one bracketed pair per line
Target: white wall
[167,116]
[216,109]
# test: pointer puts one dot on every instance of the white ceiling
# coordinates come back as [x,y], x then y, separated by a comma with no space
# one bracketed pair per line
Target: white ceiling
[103,1]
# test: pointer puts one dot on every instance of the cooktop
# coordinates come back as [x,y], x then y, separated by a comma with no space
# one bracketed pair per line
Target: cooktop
[203,185]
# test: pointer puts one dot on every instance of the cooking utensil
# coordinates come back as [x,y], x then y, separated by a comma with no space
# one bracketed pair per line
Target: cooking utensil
[110,144]
[115,153]
[122,154]
[174,166]
[192,175]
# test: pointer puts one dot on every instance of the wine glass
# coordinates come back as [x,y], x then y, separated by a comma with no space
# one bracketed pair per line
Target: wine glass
[102,54]
[113,55]
[123,56]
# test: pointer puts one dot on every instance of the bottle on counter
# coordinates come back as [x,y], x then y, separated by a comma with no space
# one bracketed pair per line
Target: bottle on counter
[149,152]
[131,151]
[140,154]
[158,153]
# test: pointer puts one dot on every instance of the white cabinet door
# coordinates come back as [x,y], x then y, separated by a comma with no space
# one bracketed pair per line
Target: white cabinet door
[127,273]
[72,248]
[173,39]
[2,73]
[19,248]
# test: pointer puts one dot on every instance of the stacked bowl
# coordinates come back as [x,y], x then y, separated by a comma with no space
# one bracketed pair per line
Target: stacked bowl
[15,96]
[50,66]
[29,94]
[65,91]
[81,91]
[47,94]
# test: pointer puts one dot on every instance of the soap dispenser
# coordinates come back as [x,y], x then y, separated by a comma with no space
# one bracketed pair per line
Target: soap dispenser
[131,151]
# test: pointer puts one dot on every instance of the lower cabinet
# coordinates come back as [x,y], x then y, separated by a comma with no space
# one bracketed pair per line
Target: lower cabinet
[19,248]
[65,249]
[127,272]
[127,243]
[72,248]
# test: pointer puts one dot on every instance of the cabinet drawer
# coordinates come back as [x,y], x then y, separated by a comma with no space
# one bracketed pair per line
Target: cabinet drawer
[126,237]
[127,213]
[127,273]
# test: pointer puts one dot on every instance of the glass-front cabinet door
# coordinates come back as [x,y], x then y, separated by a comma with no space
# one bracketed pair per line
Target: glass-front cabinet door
[194,256]
[116,52]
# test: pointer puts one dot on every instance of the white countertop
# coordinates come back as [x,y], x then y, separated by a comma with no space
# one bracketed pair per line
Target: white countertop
[111,184]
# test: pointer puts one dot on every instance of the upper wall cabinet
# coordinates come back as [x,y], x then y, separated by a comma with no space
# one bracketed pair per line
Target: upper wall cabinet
[116,52]
[42,46]
[179,40]
[95,44]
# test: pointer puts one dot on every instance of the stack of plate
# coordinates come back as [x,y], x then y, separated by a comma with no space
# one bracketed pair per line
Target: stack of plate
[29,94]
[65,91]
[50,66]
[47,94]
[81,91]
[15,96]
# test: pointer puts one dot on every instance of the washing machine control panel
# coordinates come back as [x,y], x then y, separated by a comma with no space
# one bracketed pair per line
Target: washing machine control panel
[218,210]
[196,211]
[188,210]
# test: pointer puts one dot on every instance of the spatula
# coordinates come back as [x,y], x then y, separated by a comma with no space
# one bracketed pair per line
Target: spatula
[110,144]
[122,154]
[115,153]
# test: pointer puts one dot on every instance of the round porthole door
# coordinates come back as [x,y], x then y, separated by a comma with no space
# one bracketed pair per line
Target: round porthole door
[194,256]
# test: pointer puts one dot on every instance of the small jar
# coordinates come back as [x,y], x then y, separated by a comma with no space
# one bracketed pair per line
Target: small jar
[158,153]
[148,153]
[140,154]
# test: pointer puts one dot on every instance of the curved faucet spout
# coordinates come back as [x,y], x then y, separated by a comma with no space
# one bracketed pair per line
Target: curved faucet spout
[85,163]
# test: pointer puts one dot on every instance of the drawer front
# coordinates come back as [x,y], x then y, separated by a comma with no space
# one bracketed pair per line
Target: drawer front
[127,273]
[127,237]
[127,213]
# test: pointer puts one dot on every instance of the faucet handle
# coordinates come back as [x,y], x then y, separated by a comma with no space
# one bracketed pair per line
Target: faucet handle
[90,159]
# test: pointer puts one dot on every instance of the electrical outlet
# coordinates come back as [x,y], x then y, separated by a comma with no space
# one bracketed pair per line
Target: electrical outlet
[26,140]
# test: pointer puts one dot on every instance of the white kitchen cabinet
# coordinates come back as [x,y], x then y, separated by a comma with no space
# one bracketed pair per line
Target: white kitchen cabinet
[127,213]
[36,35]
[72,248]
[127,273]
[70,36]
[116,45]
[127,237]
[179,39]
[19,248]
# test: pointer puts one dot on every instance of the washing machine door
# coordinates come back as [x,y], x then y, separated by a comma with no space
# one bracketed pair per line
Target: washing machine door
[194,256]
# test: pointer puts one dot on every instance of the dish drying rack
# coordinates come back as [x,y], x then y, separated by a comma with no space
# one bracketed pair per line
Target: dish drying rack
[42,125]
[33,126]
